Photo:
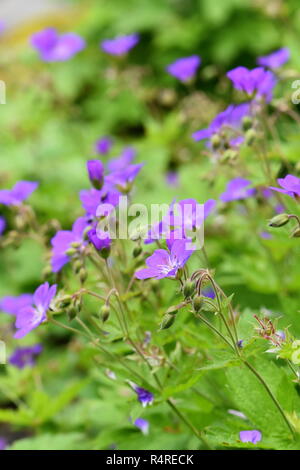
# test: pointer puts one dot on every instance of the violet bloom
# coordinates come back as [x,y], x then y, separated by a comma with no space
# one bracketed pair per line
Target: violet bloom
[99,239]
[123,179]
[120,163]
[184,69]
[91,199]
[120,45]
[3,443]
[230,118]
[290,185]
[63,240]
[103,145]
[54,47]
[32,316]
[208,292]
[237,189]
[189,214]
[18,194]
[276,59]
[256,82]
[2,224]
[172,178]
[23,357]
[163,263]
[96,173]
[142,425]
[253,436]
[144,396]
[13,305]
[265,235]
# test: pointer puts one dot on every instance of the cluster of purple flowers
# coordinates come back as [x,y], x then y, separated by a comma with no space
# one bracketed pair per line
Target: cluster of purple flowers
[18,194]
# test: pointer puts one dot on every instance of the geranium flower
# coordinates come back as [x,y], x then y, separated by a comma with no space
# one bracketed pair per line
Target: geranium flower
[144,396]
[103,145]
[185,68]
[163,263]
[54,47]
[95,170]
[23,357]
[99,239]
[237,189]
[13,304]
[123,178]
[2,224]
[276,59]
[30,317]
[18,194]
[121,162]
[143,425]
[290,185]
[253,436]
[63,240]
[256,82]
[91,199]
[120,45]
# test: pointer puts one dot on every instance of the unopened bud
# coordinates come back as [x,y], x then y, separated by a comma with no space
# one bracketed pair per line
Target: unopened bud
[137,251]
[72,313]
[296,232]
[229,155]
[172,310]
[279,220]
[188,288]
[247,123]
[198,303]
[71,251]
[167,321]
[250,136]
[77,266]
[83,275]
[104,312]
[65,302]
[215,141]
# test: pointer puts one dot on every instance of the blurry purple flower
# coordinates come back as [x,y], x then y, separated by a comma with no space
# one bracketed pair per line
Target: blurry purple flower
[258,81]
[143,425]
[231,117]
[123,178]
[99,239]
[23,357]
[103,145]
[13,305]
[208,292]
[3,443]
[184,69]
[91,199]
[144,396]
[121,162]
[18,194]
[267,193]
[63,240]
[172,178]
[189,214]
[120,45]
[253,436]
[32,316]
[266,235]
[276,59]
[2,224]
[54,47]
[240,343]
[279,209]
[163,263]
[290,185]
[96,173]
[2,26]
[237,189]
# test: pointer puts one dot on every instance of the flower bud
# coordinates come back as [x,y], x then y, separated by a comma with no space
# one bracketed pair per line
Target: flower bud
[104,312]
[279,220]
[215,141]
[172,310]
[96,173]
[72,313]
[188,288]
[137,251]
[296,232]
[247,123]
[250,136]
[71,251]
[83,275]
[65,302]
[167,321]
[229,155]
[198,303]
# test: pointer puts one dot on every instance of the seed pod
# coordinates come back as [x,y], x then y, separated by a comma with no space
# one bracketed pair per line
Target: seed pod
[279,220]
[188,288]
[250,136]
[198,303]
[104,312]
[295,233]
[167,321]
[137,251]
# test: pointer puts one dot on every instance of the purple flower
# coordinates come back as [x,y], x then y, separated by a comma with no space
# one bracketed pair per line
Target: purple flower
[256,82]
[96,173]
[100,240]
[13,305]
[209,292]
[184,69]
[23,357]
[253,436]
[18,194]
[91,199]
[276,59]
[144,396]
[54,47]
[163,263]
[231,117]
[63,240]
[237,189]
[31,316]
[265,235]
[191,213]
[290,185]
[172,178]
[3,443]
[124,178]
[2,224]
[120,45]
[143,425]
[121,162]
[103,145]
